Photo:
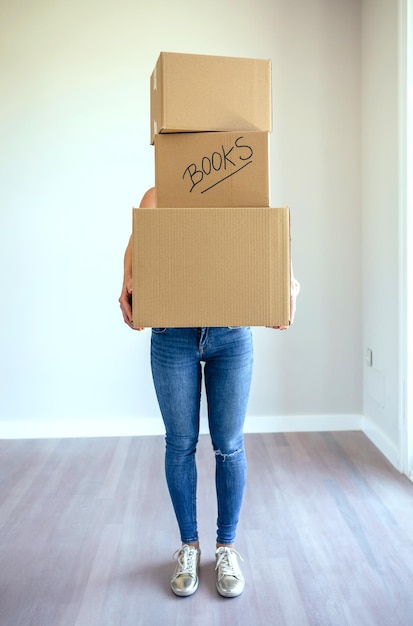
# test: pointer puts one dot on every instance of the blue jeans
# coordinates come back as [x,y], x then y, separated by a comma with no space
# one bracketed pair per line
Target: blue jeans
[176,359]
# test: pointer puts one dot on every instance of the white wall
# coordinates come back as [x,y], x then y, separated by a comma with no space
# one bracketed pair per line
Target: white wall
[75,157]
[380,232]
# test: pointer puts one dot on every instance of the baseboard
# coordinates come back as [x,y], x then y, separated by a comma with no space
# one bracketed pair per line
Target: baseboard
[135,427]
[386,446]
[76,428]
[302,423]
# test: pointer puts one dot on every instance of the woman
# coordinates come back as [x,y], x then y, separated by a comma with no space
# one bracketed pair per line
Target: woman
[176,358]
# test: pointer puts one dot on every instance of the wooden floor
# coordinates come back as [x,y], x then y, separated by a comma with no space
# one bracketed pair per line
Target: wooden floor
[87,535]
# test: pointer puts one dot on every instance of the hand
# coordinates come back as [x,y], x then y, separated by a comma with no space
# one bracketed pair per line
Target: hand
[125,298]
[125,301]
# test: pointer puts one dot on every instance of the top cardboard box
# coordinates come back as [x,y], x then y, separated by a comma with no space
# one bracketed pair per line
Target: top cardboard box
[198,93]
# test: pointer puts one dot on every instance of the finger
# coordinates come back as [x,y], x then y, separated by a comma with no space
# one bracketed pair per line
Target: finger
[126,313]
[278,327]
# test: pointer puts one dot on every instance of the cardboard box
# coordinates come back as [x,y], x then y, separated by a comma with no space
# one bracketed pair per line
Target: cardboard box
[195,170]
[211,267]
[193,92]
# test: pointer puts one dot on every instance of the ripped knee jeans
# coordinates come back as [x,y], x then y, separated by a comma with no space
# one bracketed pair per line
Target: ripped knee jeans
[179,358]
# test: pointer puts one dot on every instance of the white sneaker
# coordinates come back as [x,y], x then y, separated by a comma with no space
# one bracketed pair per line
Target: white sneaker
[184,581]
[230,581]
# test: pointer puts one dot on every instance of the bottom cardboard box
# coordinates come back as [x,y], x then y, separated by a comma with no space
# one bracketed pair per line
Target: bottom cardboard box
[211,267]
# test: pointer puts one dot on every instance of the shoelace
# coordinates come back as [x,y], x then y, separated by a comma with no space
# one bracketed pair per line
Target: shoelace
[227,563]
[186,558]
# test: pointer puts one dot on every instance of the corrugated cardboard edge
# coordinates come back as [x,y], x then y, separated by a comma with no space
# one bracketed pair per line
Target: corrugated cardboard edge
[156,81]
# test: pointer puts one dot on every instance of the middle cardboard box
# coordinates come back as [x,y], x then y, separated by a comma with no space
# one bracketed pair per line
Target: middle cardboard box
[212,169]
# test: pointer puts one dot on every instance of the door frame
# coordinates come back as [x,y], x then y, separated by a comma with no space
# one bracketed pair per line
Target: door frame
[406,235]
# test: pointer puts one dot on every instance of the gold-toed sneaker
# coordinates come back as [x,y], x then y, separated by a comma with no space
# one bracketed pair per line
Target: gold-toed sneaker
[184,581]
[230,581]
